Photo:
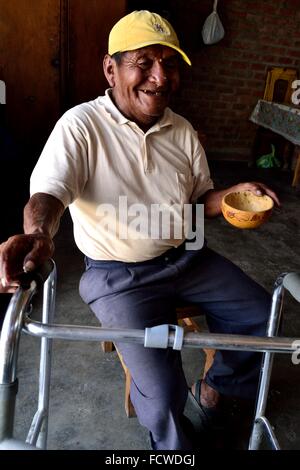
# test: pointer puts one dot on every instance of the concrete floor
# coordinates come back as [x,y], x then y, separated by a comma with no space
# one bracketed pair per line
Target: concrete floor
[87,409]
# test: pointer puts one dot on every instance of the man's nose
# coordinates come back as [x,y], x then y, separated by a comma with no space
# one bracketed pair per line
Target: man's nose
[158,74]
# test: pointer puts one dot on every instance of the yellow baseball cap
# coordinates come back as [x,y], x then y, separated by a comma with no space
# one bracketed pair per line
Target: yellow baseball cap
[142,28]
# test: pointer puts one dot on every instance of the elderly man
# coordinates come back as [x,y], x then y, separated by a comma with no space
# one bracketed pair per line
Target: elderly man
[103,159]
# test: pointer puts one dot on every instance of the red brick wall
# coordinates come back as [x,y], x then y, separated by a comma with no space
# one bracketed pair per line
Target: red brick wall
[226,80]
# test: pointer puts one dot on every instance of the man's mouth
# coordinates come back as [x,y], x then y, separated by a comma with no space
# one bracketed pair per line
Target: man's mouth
[155,93]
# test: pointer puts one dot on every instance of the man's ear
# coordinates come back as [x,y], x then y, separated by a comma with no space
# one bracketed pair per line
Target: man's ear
[109,70]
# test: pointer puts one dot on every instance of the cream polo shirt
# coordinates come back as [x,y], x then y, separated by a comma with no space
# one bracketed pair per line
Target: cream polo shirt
[111,175]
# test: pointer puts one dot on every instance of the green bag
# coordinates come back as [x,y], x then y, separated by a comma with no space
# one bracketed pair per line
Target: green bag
[269,160]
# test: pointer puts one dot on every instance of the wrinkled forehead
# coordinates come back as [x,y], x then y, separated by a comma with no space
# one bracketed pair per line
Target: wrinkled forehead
[156,51]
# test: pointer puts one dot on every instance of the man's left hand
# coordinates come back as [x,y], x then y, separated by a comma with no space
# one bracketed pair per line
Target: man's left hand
[257,188]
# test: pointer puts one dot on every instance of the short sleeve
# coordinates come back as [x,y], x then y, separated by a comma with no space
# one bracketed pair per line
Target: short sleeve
[62,169]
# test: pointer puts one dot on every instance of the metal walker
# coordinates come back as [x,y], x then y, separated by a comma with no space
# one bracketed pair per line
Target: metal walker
[163,336]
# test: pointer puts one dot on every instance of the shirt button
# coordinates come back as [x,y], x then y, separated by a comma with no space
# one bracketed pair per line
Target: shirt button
[166,258]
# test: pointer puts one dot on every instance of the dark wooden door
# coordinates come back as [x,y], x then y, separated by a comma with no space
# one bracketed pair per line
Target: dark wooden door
[51,54]
[29,46]
[89,24]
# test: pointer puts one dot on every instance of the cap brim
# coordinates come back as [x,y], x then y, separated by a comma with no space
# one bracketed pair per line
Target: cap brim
[163,43]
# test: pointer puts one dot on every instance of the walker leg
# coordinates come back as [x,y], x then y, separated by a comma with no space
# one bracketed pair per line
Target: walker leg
[8,394]
[260,422]
[9,344]
[38,432]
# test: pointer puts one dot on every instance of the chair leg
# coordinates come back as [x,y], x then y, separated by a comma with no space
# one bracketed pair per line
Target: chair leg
[209,353]
[296,178]
[107,346]
[129,408]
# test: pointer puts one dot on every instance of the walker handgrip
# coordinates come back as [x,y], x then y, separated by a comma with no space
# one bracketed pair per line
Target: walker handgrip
[40,275]
[291,282]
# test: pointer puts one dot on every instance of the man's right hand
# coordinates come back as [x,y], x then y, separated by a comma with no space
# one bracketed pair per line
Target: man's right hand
[23,253]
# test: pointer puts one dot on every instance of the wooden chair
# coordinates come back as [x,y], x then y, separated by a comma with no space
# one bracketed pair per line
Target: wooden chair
[184,315]
[278,87]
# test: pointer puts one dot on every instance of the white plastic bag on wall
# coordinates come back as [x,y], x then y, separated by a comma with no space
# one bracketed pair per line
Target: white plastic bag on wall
[213,30]
[2,92]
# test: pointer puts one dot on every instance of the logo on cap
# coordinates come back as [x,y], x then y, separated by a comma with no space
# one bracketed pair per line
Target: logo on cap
[158,27]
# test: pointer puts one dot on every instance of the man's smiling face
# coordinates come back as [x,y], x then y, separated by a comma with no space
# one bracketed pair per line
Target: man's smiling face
[143,82]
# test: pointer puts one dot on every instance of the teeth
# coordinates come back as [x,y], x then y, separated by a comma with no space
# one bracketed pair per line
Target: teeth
[156,93]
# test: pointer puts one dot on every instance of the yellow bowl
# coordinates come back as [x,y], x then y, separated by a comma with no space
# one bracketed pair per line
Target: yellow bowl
[244,209]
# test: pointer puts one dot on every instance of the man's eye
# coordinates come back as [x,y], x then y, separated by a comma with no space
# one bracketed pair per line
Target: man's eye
[171,64]
[144,65]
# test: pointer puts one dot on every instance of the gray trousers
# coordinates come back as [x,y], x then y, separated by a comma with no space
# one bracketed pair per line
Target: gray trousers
[145,294]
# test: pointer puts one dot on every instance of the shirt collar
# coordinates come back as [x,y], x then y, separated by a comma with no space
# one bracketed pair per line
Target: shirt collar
[119,118]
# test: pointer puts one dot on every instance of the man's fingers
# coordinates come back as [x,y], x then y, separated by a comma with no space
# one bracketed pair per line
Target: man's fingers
[40,253]
[11,289]
[23,253]
[260,189]
[29,266]
[11,257]
[273,195]
[6,288]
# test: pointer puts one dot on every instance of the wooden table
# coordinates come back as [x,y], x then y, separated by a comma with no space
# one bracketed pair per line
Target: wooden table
[283,120]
